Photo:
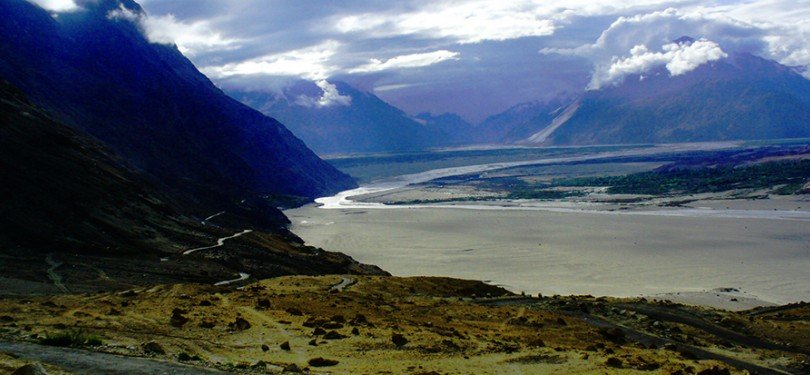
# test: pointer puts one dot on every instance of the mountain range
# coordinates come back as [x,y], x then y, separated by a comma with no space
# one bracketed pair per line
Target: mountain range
[354,121]
[739,97]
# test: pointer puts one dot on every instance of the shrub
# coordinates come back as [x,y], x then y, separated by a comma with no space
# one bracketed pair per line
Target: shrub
[71,338]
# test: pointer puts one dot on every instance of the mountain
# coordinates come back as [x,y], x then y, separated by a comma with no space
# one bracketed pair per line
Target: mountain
[519,122]
[449,129]
[334,118]
[741,97]
[95,71]
[72,218]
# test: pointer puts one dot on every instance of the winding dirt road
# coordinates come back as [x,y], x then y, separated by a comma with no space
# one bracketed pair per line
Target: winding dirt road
[220,242]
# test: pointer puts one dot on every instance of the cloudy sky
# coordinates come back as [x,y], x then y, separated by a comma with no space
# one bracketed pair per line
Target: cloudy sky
[474,58]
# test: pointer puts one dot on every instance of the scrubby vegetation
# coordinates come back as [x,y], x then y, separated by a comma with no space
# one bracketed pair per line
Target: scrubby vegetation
[71,338]
[789,174]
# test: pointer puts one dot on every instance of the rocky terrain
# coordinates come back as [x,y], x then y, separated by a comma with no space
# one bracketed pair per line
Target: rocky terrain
[351,324]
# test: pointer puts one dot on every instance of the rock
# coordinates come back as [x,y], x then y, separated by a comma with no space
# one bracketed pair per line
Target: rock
[614,334]
[294,312]
[332,325]
[322,362]
[318,331]
[205,302]
[285,346]
[314,322]
[338,319]
[313,342]
[537,343]
[30,369]
[355,331]
[152,347]
[183,357]
[177,319]
[359,319]
[263,303]
[265,347]
[208,323]
[614,362]
[714,370]
[398,339]
[333,335]
[240,324]
[292,368]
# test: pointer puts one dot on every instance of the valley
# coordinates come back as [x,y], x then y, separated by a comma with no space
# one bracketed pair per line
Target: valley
[527,225]
[448,187]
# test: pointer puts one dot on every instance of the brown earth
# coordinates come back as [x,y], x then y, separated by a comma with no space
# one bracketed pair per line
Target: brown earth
[412,325]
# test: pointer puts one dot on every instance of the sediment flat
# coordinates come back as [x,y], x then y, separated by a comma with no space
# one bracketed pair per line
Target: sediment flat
[594,253]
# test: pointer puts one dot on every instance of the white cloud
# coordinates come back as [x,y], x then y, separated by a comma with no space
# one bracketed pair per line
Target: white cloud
[56,5]
[678,58]
[311,62]
[469,22]
[190,38]
[330,96]
[415,60]
[384,88]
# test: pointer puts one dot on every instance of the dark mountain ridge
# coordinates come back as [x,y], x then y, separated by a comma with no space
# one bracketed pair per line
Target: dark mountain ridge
[146,101]
[73,219]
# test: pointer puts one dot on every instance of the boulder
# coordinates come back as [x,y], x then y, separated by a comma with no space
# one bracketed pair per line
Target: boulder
[30,369]
[322,362]
[152,347]
[240,324]
[398,339]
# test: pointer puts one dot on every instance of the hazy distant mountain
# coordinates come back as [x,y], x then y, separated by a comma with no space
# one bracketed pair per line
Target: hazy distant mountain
[448,129]
[346,120]
[741,97]
[519,122]
[96,71]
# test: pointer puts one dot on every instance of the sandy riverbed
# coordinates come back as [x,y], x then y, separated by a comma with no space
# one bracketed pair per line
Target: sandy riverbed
[579,252]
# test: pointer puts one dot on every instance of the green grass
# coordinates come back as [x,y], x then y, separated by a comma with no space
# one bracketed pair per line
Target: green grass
[74,338]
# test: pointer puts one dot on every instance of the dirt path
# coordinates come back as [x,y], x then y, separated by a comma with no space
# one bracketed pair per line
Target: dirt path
[647,338]
[57,280]
[683,317]
[220,242]
[86,362]
[242,276]
[344,283]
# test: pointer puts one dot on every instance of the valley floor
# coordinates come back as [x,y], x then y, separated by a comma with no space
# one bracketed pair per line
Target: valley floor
[732,248]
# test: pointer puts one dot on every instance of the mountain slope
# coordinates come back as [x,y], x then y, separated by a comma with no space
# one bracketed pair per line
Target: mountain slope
[358,122]
[741,97]
[72,218]
[148,103]
[518,122]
